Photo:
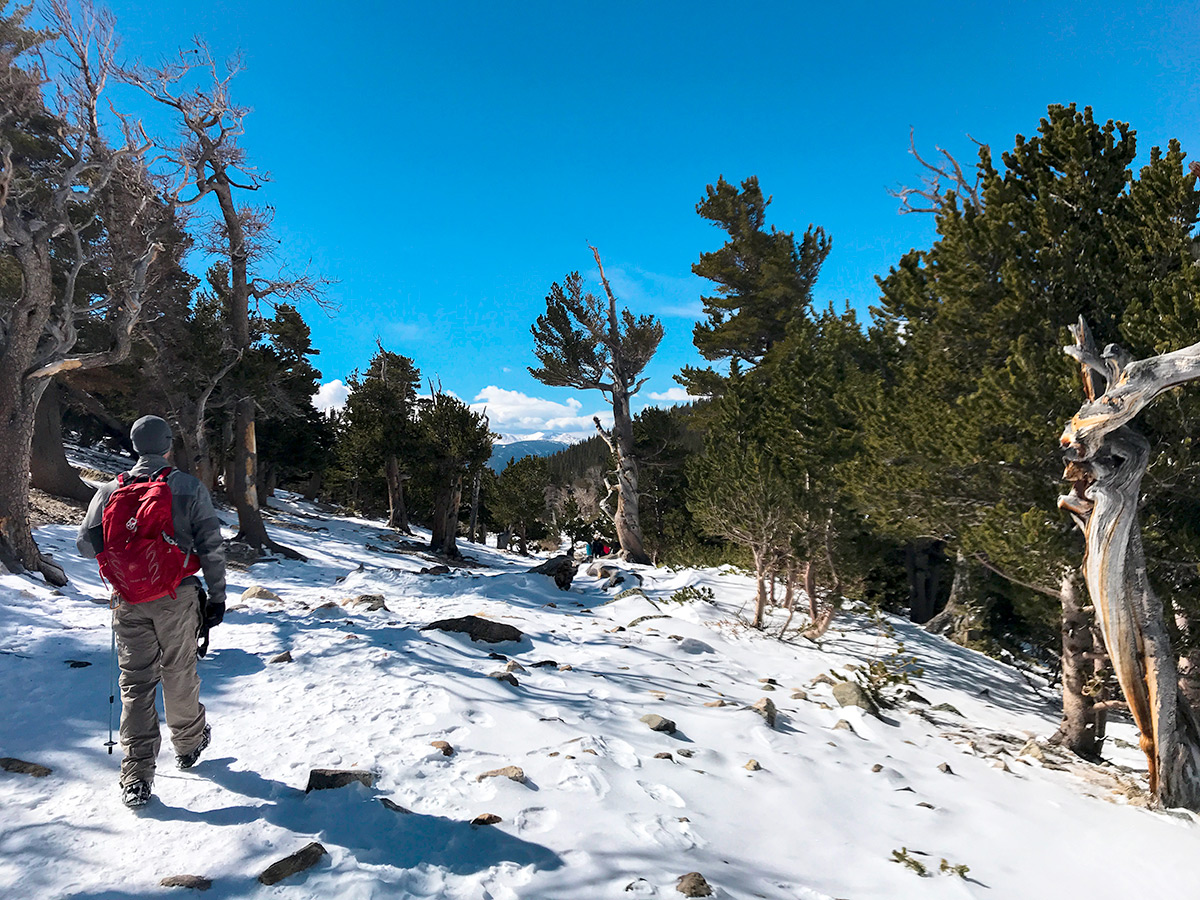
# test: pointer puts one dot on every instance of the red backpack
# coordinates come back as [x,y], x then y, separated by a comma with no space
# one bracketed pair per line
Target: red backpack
[141,559]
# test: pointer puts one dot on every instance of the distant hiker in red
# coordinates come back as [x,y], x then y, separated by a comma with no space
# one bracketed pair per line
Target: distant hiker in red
[151,530]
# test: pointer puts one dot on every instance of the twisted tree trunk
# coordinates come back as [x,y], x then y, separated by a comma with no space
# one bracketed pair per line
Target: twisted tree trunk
[1105,462]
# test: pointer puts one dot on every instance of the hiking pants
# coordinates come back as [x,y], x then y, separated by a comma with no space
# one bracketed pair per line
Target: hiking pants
[156,641]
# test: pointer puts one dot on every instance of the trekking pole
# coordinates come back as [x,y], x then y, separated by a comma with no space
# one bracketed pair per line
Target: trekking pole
[112,692]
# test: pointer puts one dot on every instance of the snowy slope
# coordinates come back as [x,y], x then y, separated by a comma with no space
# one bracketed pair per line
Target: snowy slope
[599,815]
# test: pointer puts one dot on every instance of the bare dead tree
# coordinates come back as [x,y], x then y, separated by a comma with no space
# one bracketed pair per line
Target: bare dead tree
[939,179]
[68,200]
[1106,460]
[212,164]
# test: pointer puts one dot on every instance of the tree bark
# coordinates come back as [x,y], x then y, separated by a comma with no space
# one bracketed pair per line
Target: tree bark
[397,511]
[950,621]
[1106,460]
[49,468]
[471,530]
[1082,727]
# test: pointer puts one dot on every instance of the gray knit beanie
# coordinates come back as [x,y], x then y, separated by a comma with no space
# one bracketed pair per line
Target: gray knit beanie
[151,436]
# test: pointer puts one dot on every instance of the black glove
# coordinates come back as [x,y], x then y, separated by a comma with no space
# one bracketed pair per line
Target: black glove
[214,613]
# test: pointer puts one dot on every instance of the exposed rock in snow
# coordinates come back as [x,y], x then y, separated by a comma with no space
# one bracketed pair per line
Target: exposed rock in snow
[329,779]
[512,773]
[693,885]
[21,767]
[304,858]
[477,629]
[658,723]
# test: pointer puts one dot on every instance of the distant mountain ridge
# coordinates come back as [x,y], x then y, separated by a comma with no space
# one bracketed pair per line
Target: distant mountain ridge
[503,453]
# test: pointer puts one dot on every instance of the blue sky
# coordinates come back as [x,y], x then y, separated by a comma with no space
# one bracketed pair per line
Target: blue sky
[446,162]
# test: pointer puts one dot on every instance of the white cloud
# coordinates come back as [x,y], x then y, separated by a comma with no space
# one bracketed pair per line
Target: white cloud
[673,395]
[331,395]
[522,416]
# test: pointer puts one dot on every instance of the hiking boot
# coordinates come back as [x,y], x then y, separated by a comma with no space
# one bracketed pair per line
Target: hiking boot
[187,760]
[136,794]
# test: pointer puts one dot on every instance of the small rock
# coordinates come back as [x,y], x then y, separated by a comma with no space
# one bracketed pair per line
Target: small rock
[591,751]
[513,773]
[945,768]
[329,779]
[768,687]
[851,693]
[925,805]
[486,819]
[565,667]
[1001,765]
[435,570]
[446,749]
[946,707]
[20,767]
[78,663]
[477,629]
[546,664]
[799,695]
[395,807]
[568,756]
[664,755]
[766,709]
[683,819]
[506,677]
[328,604]
[768,681]
[302,859]
[641,887]
[686,752]
[369,602]
[658,723]
[693,885]
[514,666]
[877,768]
[913,697]
[753,765]
[823,705]
[1033,750]
[285,656]
[187,881]
[552,605]
[499,656]
[716,703]
[823,679]
[258,592]
[842,725]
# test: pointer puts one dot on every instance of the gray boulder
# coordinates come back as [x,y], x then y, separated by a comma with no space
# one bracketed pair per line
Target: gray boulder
[851,693]
[477,629]
[561,568]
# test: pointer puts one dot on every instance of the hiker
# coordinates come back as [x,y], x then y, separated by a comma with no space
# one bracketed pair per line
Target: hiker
[159,605]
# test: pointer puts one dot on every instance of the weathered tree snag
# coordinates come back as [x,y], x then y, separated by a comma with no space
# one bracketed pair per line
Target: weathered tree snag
[48,464]
[1105,462]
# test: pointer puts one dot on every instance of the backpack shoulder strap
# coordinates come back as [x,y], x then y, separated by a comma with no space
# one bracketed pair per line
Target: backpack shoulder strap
[161,474]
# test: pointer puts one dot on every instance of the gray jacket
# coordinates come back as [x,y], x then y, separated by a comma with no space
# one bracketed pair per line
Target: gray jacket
[197,528]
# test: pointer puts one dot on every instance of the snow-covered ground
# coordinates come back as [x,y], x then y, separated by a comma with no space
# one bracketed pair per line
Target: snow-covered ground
[602,813]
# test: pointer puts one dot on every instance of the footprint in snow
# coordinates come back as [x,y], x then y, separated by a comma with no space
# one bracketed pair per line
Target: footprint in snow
[619,751]
[536,819]
[584,780]
[662,794]
[665,831]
